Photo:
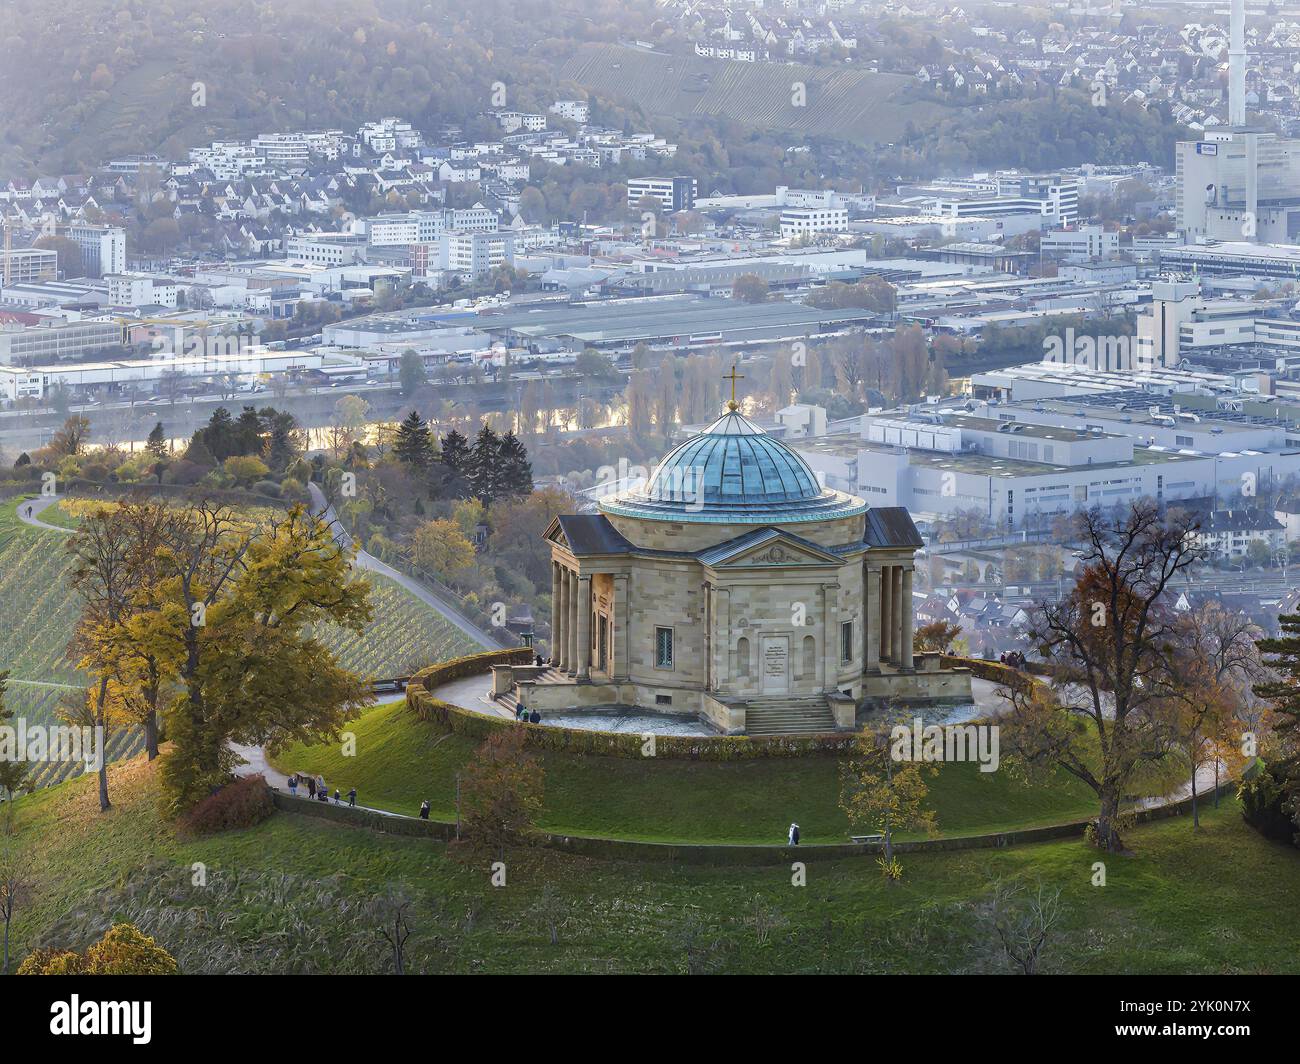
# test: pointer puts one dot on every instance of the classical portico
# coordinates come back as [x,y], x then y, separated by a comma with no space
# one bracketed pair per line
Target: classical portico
[732,586]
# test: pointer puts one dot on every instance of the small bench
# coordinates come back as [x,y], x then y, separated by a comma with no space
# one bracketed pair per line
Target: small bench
[866,838]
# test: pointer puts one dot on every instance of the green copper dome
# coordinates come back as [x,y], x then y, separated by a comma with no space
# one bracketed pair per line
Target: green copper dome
[733,472]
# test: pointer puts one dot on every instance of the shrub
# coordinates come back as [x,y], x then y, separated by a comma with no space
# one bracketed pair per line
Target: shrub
[242,803]
[1262,796]
[52,962]
[267,487]
[124,950]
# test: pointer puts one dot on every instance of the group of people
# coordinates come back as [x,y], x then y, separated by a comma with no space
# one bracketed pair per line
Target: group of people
[521,713]
[1015,659]
[317,791]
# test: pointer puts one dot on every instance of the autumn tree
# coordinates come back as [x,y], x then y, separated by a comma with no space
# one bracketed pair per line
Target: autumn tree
[749,288]
[1110,645]
[884,791]
[411,372]
[102,574]
[442,548]
[501,792]
[236,607]
[1214,661]
[71,438]
[937,635]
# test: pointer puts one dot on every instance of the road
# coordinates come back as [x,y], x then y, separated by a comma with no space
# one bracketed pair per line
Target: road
[325,511]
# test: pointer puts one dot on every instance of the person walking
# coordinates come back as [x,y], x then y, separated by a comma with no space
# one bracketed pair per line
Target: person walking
[352,797]
[293,785]
[794,834]
[336,796]
[311,787]
[424,810]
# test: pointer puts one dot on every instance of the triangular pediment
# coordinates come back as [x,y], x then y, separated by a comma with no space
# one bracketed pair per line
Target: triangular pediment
[768,548]
[555,533]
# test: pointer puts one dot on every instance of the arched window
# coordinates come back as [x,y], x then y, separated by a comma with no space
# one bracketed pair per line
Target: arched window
[742,656]
[809,658]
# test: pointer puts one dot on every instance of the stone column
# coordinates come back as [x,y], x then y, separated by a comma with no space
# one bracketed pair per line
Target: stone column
[721,637]
[830,636]
[557,612]
[562,643]
[905,660]
[618,636]
[886,612]
[896,604]
[710,640]
[584,628]
[872,634]
[571,635]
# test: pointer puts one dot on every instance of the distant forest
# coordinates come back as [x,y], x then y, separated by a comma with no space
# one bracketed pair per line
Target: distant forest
[90,80]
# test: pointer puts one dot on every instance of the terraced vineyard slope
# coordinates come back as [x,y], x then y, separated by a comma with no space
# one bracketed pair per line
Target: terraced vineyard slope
[841,101]
[39,613]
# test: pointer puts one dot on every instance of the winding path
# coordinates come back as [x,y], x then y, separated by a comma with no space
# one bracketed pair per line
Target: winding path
[28,513]
[325,512]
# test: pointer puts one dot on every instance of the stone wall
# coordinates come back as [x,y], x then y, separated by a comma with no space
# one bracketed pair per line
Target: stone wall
[700,535]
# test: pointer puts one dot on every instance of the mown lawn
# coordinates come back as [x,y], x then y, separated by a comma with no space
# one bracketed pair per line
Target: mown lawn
[400,761]
[1217,900]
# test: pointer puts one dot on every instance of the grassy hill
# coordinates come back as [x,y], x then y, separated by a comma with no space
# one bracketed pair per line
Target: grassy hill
[295,894]
[401,761]
[40,613]
[842,102]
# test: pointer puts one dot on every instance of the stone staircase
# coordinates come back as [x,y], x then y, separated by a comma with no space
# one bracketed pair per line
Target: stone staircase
[789,716]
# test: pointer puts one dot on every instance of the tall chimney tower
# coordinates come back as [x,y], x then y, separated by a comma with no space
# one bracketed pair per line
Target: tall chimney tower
[1237,65]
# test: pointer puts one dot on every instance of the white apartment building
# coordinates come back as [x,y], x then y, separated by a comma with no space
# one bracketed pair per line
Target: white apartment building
[476,254]
[574,110]
[140,290]
[28,265]
[805,221]
[326,249]
[1052,197]
[673,193]
[389,134]
[516,121]
[1079,243]
[103,248]
[425,227]
[58,341]
[227,160]
[286,151]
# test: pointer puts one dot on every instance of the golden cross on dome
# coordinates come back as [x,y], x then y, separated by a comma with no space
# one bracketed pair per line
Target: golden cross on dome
[733,376]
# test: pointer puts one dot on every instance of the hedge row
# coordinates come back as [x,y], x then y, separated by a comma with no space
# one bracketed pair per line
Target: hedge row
[993,671]
[728,854]
[601,744]
[474,725]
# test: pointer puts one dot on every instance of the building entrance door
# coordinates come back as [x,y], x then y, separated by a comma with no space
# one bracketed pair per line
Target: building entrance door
[776,664]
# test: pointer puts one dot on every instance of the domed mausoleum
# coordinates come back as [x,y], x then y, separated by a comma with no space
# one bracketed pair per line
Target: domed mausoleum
[733,586]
